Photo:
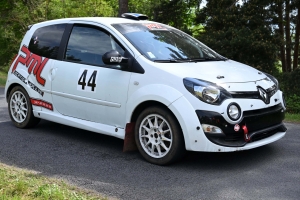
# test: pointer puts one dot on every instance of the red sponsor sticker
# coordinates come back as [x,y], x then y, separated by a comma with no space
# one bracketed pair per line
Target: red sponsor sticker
[155,27]
[236,127]
[33,62]
[41,103]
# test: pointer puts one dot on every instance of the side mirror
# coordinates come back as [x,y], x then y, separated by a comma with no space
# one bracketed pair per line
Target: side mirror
[113,57]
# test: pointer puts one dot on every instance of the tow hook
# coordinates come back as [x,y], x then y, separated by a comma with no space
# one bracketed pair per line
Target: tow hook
[246,136]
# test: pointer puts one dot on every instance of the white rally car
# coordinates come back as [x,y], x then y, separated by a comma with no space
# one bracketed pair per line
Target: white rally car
[142,81]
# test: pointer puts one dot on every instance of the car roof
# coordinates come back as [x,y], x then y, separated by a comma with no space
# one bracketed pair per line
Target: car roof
[103,20]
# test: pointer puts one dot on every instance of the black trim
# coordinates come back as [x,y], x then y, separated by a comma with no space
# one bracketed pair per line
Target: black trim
[64,42]
[245,95]
[260,123]
[135,16]
[133,65]
[255,94]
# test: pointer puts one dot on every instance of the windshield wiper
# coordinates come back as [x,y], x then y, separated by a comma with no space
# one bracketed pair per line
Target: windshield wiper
[190,60]
[171,61]
[207,59]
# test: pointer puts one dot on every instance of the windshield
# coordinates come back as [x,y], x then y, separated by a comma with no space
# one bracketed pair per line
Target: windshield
[162,43]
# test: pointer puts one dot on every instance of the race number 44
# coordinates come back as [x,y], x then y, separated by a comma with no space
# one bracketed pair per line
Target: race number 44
[87,80]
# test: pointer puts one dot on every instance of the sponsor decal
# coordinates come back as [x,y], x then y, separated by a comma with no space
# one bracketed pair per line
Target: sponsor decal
[116,59]
[41,103]
[35,88]
[236,127]
[33,62]
[155,27]
[19,76]
[23,79]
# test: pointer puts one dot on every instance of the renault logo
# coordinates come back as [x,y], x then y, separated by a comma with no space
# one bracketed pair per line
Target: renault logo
[263,95]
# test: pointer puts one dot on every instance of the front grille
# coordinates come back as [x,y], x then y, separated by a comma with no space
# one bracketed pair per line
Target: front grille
[254,94]
[262,111]
[245,95]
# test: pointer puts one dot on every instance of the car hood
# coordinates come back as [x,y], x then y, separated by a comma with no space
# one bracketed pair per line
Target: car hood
[215,71]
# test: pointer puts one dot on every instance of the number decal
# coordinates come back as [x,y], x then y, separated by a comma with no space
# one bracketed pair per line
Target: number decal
[93,80]
[83,84]
[82,77]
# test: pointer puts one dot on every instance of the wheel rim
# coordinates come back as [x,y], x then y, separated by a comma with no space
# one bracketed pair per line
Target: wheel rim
[155,136]
[18,107]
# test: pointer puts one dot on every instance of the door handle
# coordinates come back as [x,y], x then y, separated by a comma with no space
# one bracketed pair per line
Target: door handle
[52,73]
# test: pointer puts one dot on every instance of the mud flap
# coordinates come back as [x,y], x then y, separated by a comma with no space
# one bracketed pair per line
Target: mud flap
[129,141]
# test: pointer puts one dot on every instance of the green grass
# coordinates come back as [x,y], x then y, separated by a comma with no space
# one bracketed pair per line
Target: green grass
[294,118]
[3,76]
[21,184]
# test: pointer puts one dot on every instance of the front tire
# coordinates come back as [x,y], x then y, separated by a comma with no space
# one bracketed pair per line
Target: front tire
[158,136]
[20,108]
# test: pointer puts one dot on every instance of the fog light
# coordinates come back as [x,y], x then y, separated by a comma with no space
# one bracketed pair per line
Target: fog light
[234,111]
[211,129]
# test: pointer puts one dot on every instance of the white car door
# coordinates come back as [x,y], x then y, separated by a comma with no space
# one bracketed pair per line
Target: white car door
[83,86]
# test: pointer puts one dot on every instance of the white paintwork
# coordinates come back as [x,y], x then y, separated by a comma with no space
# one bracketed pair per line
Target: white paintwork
[82,124]
[118,93]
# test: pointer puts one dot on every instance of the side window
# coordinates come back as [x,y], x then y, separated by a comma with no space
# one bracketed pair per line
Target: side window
[46,40]
[87,45]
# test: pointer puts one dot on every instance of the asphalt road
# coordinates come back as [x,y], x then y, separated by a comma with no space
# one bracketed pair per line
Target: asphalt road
[96,162]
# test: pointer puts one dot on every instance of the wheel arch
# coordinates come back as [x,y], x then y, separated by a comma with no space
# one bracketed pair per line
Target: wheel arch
[10,88]
[146,104]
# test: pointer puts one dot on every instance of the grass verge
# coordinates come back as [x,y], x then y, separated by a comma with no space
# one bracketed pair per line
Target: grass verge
[21,184]
[294,118]
[3,76]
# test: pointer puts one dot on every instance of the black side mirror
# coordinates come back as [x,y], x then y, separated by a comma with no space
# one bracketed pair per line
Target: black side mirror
[113,57]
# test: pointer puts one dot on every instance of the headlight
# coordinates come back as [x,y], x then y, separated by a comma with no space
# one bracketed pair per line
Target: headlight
[206,91]
[274,80]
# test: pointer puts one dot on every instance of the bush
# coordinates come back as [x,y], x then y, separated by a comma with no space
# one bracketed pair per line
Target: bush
[293,104]
[289,84]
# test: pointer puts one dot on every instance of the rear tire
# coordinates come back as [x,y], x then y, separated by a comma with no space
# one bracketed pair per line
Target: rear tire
[158,136]
[20,108]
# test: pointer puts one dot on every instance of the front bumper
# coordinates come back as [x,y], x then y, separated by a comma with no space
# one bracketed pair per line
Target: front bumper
[260,124]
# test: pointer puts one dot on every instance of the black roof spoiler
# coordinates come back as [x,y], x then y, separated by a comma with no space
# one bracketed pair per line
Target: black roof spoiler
[135,16]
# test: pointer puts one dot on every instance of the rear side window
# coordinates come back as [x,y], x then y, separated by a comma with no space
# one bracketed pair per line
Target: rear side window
[88,44]
[46,40]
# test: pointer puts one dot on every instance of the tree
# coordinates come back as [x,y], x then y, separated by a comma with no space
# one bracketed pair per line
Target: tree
[287,25]
[17,15]
[177,13]
[242,32]
[123,7]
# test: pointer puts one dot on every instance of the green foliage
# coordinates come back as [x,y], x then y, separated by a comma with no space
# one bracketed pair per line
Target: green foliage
[290,82]
[177,13]
[17,15]
[240,32]
[293,104]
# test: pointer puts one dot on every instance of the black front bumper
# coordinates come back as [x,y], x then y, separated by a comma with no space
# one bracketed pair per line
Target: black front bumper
[260,124]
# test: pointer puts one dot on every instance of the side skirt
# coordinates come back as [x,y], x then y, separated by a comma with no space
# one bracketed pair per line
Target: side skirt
[82,124]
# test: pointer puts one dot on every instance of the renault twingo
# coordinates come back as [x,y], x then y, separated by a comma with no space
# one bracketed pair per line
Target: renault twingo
[130,77]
